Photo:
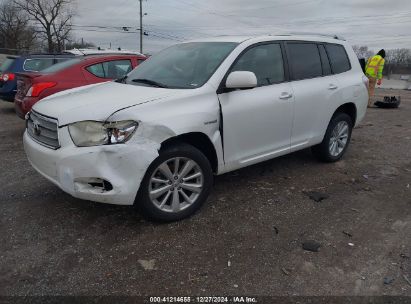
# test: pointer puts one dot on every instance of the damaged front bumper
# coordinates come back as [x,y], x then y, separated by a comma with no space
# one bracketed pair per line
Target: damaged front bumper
[107,174]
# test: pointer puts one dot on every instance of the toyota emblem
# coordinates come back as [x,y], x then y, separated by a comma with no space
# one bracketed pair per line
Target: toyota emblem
[36,127]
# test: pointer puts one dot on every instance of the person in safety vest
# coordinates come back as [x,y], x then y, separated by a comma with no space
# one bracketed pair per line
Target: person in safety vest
[373,70]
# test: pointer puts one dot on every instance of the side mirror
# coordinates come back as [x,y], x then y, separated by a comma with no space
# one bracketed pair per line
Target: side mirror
[241,80]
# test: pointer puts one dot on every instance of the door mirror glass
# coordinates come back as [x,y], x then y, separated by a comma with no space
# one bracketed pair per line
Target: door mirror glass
[241,80]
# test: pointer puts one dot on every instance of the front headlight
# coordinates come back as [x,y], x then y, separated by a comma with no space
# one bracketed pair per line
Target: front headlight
[93,133]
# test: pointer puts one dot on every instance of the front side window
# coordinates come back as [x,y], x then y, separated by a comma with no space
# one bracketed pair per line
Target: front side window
[338,57]
[182,66]
[265,61]
[38,64]
[305,60]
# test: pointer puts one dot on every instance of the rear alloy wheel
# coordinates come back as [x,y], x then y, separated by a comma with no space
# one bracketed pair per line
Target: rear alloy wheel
[336,139]
[176,184]
[339,138]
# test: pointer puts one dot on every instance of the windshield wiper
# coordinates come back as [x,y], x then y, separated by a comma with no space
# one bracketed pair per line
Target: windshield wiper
[150,82]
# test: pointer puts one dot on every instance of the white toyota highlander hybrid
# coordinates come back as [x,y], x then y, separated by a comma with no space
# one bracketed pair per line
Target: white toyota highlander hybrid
[156,137]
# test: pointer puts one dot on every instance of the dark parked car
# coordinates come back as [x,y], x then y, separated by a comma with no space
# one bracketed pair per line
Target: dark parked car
[27,63]
[77,72]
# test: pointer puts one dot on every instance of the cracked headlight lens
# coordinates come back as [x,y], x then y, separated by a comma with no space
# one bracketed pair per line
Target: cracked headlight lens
[93,133]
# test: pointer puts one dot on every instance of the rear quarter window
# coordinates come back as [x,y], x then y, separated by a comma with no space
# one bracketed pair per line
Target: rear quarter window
[97,70]
[338,58]
[37,64]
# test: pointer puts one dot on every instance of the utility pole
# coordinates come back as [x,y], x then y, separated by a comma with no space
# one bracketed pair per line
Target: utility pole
[141,26]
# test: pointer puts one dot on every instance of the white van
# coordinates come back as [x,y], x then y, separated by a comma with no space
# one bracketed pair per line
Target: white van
[194,110]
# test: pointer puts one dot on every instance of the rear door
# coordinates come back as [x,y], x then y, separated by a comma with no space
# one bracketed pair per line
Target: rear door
[257,122]
[314,89]
[351,86]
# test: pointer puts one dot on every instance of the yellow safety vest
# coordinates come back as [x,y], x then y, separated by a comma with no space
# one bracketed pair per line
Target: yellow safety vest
[374,67]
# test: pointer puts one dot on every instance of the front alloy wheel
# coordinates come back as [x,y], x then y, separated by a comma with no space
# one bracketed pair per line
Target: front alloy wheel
[176,184]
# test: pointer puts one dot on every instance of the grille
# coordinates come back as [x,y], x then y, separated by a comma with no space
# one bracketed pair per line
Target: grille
[43,129]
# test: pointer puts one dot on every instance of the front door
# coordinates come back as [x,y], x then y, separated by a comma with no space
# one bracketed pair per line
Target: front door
[257,122]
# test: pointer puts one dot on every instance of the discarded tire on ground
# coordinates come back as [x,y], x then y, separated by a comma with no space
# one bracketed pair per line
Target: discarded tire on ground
[389,102]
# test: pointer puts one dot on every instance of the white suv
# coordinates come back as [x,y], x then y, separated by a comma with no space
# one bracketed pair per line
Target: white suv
[156,137]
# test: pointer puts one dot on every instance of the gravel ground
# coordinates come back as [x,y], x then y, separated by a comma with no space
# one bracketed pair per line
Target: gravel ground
[245,241]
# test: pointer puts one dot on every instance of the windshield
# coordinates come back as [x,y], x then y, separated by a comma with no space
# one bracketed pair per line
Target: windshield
[61,66]
[183,66]
[7,64]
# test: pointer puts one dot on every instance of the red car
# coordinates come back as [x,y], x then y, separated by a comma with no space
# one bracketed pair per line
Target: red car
[77,72]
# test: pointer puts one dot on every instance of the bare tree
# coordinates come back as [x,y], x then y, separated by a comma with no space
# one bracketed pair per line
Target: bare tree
[53,18]
[79,45]
[398,56]
[15,31]
[362,51]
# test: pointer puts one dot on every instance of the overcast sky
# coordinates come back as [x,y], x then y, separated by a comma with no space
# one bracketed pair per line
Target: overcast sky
[376,23]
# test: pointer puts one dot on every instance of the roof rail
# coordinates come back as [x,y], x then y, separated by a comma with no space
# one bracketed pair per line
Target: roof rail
[100,51]
[44,54]
[333,36]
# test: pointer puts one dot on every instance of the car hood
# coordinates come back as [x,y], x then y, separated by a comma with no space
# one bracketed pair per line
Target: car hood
[98,101]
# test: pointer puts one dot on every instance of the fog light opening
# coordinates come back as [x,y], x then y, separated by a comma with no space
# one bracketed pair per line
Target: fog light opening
[101,184]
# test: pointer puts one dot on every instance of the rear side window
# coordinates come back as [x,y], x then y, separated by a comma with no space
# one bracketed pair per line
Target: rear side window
[305,60]
[7,64]
[38,64]
[62,65]
[59,60]
[338,58]
[266,61]
[111,69]
[324,61]
[117,69]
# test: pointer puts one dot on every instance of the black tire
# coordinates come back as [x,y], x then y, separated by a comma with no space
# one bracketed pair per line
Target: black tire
[143,201]
[322,150]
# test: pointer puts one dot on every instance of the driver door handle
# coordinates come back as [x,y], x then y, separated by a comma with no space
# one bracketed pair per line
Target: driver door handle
[332,86]
[286,95]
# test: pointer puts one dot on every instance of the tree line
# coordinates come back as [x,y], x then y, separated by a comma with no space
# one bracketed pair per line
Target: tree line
[400,56]
[37,25]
